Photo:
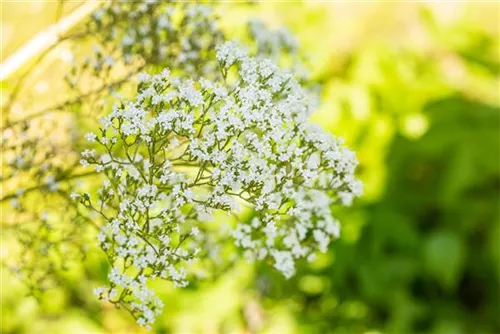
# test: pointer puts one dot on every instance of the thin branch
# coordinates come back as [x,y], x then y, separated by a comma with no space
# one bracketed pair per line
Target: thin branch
[33,188]
[61,107]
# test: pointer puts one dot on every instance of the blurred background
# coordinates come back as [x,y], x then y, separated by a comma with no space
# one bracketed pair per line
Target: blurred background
[413,88]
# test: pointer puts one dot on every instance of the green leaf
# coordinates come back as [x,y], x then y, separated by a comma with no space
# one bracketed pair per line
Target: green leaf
[444,257]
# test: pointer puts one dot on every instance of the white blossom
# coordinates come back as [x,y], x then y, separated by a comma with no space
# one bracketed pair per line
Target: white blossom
[184,149]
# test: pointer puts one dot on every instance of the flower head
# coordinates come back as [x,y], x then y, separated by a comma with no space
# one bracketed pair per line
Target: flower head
[183,149]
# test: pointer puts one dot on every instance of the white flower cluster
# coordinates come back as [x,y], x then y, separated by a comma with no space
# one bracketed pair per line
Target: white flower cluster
[158,32]
[282,48]
[130,35]
[272,42]
[183,149]
[125,36]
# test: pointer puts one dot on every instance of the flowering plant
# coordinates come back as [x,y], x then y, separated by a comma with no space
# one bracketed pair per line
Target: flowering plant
[41,144]
[183,149]
[213,128]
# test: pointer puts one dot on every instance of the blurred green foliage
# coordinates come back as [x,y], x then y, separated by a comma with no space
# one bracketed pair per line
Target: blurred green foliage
[414,89]
[427,257]
[421,253]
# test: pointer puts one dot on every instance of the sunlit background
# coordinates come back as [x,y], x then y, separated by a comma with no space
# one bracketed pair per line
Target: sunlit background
[413,88]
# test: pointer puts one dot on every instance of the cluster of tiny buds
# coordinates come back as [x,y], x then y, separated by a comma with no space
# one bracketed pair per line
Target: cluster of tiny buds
[223,132]
[183,150]
[163,32]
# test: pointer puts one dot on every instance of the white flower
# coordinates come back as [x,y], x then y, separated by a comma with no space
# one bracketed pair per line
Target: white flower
[127,40]
[229,52]
[183,149]
[91,137]
[14,203]
[105,158]
[143,77]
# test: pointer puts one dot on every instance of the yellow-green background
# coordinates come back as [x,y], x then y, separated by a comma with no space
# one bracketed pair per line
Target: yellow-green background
[414,89]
